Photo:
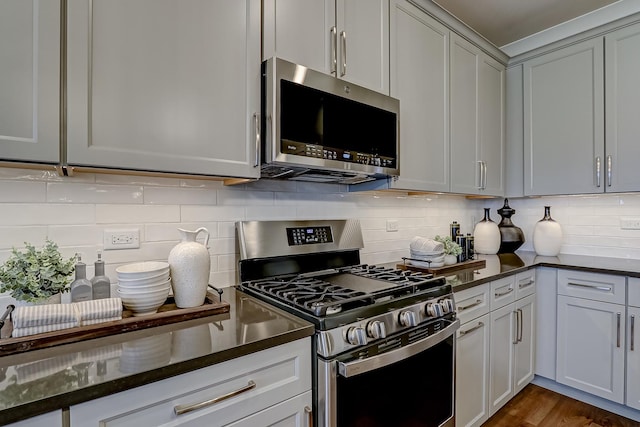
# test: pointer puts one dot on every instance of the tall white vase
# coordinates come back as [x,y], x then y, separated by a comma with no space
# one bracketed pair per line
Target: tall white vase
[547,235]
[190,265]
[486,236]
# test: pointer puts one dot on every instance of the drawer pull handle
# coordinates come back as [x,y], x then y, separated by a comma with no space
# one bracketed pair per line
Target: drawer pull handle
[584,285]
[633,332]
[618,338]
[520,322]
[501,294]
[475,328]
[183,409]
[524,285]
[467,307]
[309,413]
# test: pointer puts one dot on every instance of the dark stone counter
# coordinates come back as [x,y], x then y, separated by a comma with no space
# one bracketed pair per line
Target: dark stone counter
[41,381]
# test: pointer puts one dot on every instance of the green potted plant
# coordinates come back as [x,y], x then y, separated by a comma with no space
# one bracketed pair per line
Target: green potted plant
[451,249]
[34,276]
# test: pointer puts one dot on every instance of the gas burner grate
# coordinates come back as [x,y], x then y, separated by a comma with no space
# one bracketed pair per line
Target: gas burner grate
[388,274]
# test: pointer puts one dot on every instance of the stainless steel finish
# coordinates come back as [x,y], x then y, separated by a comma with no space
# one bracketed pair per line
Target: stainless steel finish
[520,322]
[256,129]
[525,285]
[407,318]
[475,328]
[633,332]
[598,170]
[309,413]
[334,50]
[262,239]
[376,329]
[618,323]
[515,330]
[467,307]
[343,37]
[183,409]
[361,366]
[584,285]
[484,175]
[301,166]
[501,294]
[356,336]
[479,164]
[609,166]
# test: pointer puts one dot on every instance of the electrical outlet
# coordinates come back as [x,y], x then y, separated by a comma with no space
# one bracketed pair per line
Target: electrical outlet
[121,239]
[392,225]
[630,223]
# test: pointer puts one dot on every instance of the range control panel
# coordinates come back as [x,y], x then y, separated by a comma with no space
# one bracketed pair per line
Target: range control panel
[309,235]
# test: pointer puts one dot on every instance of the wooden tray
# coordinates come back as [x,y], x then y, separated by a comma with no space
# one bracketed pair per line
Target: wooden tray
[443,271]
[167,313]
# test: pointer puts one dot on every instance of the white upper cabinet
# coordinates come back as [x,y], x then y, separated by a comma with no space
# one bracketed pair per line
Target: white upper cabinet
[564,121]
[477,120]
[622,95]
[346,38]
[30,80]
[164,86]
[420,80]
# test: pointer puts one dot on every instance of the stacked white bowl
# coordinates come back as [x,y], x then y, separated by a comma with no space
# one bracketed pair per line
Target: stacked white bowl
[426,253]
[144,286]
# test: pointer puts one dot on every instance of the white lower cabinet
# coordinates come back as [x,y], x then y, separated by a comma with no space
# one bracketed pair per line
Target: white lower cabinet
[633,344]
[270,387]
[50,419]
[591,333]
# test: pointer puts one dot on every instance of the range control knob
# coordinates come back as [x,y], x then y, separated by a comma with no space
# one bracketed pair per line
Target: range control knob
[356,336]
[447,305]
[376,329]
[407,318]
[434,309]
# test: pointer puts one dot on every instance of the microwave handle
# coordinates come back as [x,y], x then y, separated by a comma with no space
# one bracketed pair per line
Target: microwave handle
[334,50]
[360,366]
[256,130]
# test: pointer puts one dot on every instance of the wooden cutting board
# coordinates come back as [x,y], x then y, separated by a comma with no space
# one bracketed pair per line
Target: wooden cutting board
[447,269]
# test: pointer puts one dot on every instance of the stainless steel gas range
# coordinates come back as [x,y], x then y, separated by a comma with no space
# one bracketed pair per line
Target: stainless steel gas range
[385,338]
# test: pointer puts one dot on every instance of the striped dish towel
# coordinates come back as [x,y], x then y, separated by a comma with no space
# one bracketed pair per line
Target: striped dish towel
[32,330]
[43,315]
[98,311]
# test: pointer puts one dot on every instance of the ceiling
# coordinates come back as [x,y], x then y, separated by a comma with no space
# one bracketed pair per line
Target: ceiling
[505,21]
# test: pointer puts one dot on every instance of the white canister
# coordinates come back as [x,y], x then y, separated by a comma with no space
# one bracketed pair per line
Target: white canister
[486,236]
[190,265]
[547,235]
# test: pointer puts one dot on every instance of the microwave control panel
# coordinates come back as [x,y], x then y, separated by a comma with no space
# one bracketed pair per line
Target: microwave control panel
[309,235]
[328,153]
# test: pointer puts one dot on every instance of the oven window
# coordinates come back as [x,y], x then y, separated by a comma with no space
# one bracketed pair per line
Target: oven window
[415,392]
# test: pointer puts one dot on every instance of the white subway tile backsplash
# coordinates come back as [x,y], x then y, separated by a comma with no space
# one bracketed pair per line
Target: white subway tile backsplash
[71,235]
[141,180]
[179,196]
[164,232]
[194,213]
[202,183]
[68,192]
[23,192]
[47,214]
[245,198]
[128,214]
[16,236]
[269,213]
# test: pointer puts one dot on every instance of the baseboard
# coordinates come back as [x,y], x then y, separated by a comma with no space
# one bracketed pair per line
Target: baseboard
[596,401]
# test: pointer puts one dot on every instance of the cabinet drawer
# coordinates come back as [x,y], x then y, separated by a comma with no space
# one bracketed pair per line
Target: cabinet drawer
[51,419]
[525,283]
[472,302]
[503,292]
[634,291]
[593,286]
[252,383]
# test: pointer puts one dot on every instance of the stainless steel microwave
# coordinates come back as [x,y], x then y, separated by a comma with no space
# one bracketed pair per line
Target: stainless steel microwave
[319,128]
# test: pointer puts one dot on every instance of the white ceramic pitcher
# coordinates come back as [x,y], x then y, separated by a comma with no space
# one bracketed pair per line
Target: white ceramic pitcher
[190,265]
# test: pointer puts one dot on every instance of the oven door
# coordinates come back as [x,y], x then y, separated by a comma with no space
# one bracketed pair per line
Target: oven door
[406,380]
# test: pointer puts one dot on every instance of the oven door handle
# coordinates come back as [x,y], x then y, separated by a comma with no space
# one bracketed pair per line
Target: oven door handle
[350,369]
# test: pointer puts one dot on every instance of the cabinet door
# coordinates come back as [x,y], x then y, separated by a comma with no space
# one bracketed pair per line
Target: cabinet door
[492,125]
[590,347]
[30,80]
[465,142]
[164,86]
[564,121]
[633,358]
[295,412]
[420,80]
[622,95]
[525,351]
[363,42]
[472,372]
[501,368]
[300,31]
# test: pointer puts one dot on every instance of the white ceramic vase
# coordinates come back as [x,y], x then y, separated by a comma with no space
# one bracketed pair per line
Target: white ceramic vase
[190,265]
[486,236]
[547,235]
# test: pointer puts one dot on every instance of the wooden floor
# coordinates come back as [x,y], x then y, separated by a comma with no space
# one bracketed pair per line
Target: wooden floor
[538,407]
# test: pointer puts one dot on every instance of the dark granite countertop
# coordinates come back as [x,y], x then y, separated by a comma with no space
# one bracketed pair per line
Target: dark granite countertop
[37,382]
[41,381]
